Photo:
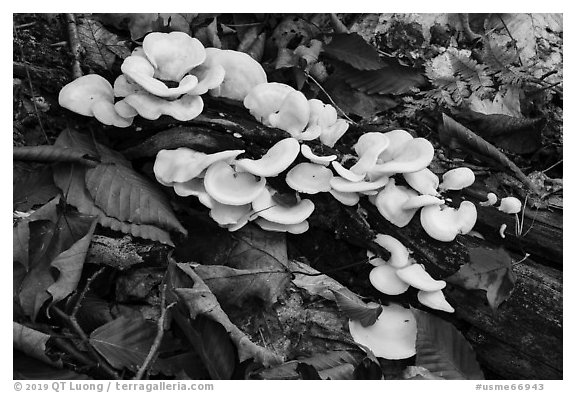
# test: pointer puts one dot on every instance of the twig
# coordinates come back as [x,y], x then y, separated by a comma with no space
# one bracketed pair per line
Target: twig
[75,45]
[337,24]
[511,37]
[159,335]
[100,362]
[24,25]
[31,90]
[552,166]
[330,98]
[84,292]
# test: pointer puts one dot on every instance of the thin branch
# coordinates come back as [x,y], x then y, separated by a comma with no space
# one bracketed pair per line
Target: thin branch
[85,291]
[75,45]
[159,335]
[553,166]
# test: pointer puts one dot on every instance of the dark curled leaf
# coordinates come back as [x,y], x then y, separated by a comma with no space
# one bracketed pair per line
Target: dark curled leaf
[454,134]
[443,350]
[353,50]
[392,78]
[355,309]
[46,153]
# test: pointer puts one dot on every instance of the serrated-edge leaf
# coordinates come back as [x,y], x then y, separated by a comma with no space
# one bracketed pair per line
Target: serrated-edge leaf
[352,49]
[355,309]
[443,350]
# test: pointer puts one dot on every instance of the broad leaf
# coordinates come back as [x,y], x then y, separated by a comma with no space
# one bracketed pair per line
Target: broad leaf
[32,343]
[101,46]
[490,270]
[335,365]
[309,279]
[58,238]
[353,50]
[443,350]
[124,342]
[35,188]
[392,78]
[356,309]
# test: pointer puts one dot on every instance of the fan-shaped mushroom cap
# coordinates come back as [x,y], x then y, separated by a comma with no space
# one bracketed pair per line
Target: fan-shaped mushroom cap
[398,252]
[330,135]
[276,160]
[384,279]
[397,138]
[415,155]
[228,187]
[491,199]
[343,185]
[369,157]
[295,229]
[510,205]
[309,178]
[419,201]
[265,99]
[322,160]
[105,112]
[124,87]
[293,114]
[346,198]
[124,109]
[321,114]
[347,174]
[444,223]
[435,300]
[369,139]
[151,107]
[390,200]
[229,214]
[208,78]
[392,336]
[424,181]
[79,95]
[416,276]
[268,208]
[457,179]
[182,164]
[243,73]
[173,54]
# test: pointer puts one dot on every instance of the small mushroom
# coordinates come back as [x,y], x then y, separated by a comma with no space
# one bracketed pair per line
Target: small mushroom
[152,107]
[230,188]
[415,155]
[398,252]
[390,200]
[345,198]
[416,276]
[343,185]
[225,214]
[322,160]
[321,114]
[443,223]
[397,138]
[295,229]
[309,178]
[332,134]
[457,179]
[266,207]
[385,280]
[266,99]
[510,205]
[367,160]
[491,199]
[392,336]
[278,158]
[424,181]
[369,139]
[293,114]
[347,173]
[435,300]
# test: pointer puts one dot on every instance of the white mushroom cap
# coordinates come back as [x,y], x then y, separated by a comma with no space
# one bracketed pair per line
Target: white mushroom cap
[79,95]
[268,208]
[105,112]
[444,223]
[390,200]
[346,173]
[369,139]
[398,252]
[322,160]
[321,114]
[491,199]
[416,276]
[415,155]
[124,109]
[510,205]
[332,134]
[457,179]
[340,184]
[384,279]
[293,114]
[229,214]
[369,157]
[182,164]
[243,73]
[392,336]
[435,300]
[419,201]
[278,158]
[228,187]
[424,181]
[398,139]
[346,198]
[151,107]
[295,229]
[309,178]
[265,99]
